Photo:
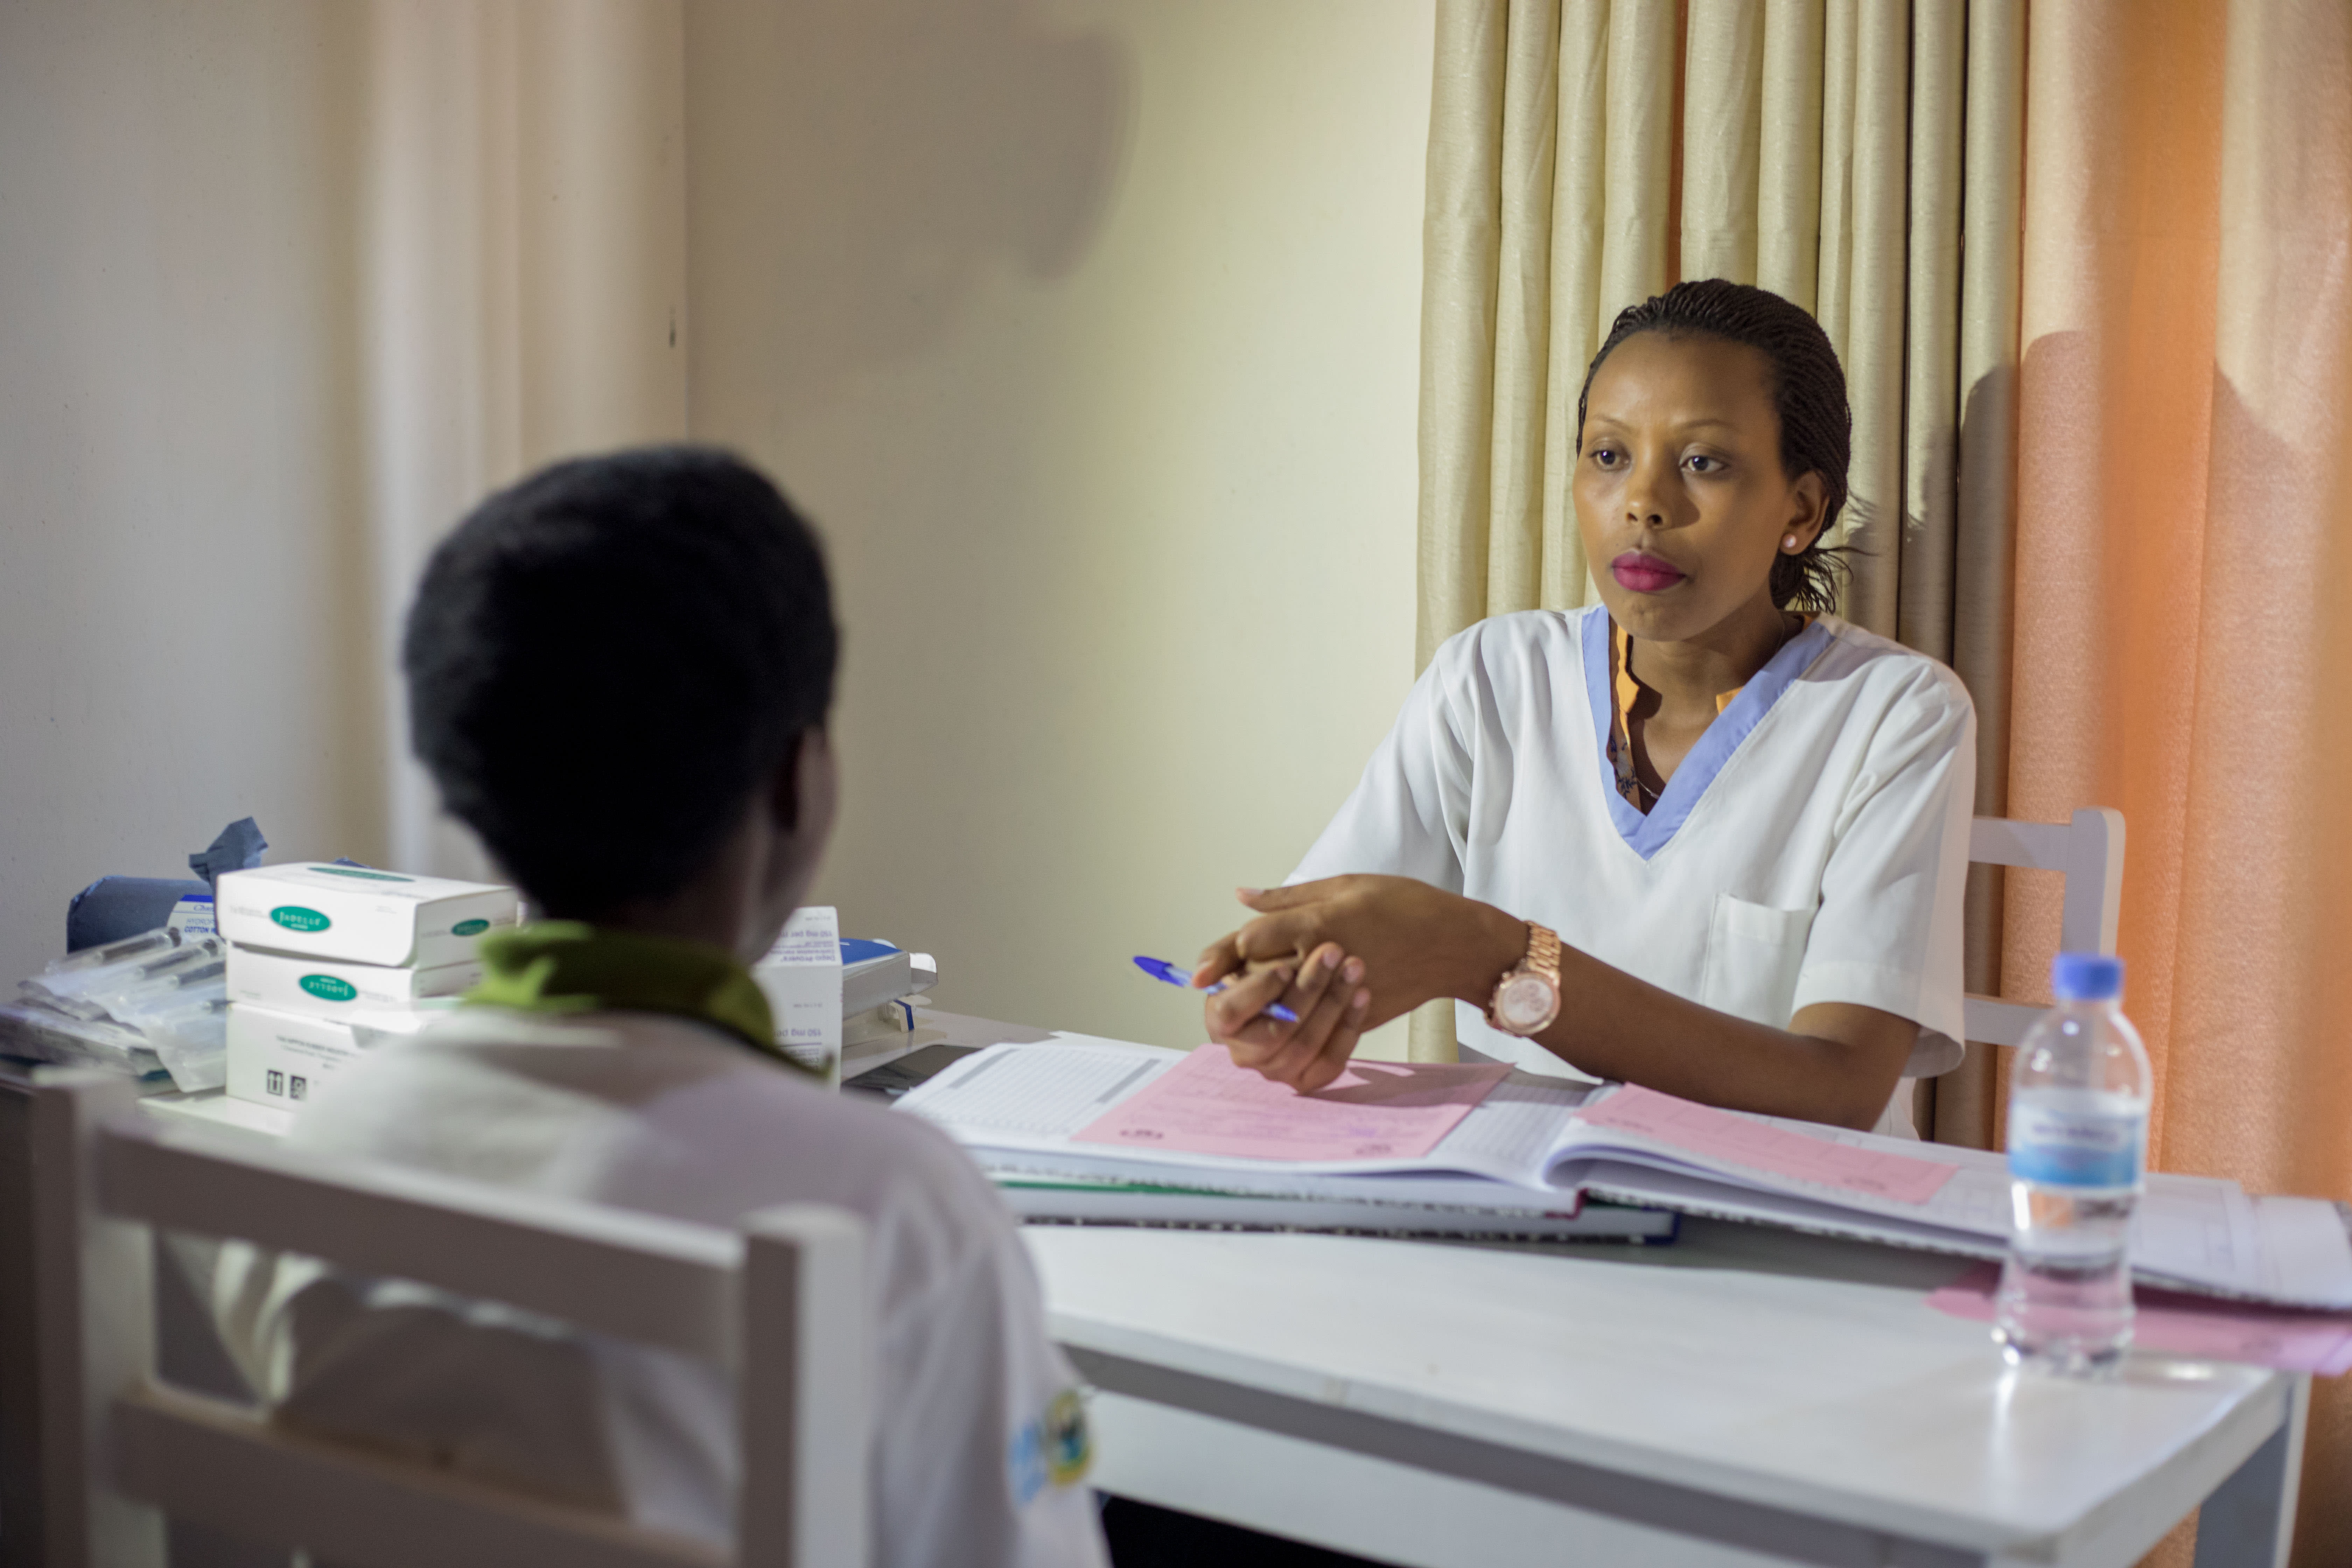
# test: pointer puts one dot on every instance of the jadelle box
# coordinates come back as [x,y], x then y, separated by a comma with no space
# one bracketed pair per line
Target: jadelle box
[332,988]
[360,915]
[280,1058]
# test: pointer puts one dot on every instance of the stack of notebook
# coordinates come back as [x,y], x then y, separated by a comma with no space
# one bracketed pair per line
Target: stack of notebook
[1081,1130]
[1077,1128]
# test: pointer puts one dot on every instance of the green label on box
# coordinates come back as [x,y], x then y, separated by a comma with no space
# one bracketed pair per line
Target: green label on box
[469,928]
[363,876]
[294,917]
[326,988]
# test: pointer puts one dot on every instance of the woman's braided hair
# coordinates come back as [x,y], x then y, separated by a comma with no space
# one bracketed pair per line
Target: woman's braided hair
[1808,394]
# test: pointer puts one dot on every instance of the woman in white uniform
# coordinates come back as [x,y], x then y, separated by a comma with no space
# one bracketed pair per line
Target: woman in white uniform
[1703,836]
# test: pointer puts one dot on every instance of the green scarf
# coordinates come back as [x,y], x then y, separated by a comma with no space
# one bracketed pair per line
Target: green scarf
[566,966]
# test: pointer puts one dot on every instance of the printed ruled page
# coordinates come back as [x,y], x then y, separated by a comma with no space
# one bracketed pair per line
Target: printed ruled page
[1374,1110]
[1034,1095]
[2208,1233]
[1957,1189]
[2306,1251]
[1034,1099]
[2194,1231]
[2198,1229]
[1512,1131]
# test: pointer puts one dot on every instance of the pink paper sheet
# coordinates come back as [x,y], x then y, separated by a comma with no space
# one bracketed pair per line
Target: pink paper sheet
[1723,1135]
[2190,1325]
[1206,1105]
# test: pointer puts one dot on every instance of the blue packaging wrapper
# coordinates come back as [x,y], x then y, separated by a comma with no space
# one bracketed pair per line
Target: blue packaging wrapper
[237,848]
[115,907]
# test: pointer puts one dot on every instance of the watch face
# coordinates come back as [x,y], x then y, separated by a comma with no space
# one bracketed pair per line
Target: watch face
[1527,1002]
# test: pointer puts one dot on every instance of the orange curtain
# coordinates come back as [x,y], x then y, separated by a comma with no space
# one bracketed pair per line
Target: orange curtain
[2184,524]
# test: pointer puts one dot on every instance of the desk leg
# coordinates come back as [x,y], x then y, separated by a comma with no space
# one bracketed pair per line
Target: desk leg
[2249,1521]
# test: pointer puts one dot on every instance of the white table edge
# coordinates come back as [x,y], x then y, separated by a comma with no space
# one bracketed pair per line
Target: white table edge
[1515,1454]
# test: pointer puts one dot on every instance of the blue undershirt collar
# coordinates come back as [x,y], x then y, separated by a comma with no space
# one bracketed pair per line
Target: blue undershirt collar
[1646,835]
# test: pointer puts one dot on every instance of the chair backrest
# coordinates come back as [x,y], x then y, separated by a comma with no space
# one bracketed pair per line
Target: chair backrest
[781,1304]
[2089,853]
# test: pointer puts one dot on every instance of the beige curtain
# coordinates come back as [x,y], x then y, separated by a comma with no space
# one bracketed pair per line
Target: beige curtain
[1863,159]
[521,282]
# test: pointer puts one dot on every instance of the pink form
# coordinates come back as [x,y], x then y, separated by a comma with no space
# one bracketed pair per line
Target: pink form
[2189,1325]
[1740,1139]
[1377,1110]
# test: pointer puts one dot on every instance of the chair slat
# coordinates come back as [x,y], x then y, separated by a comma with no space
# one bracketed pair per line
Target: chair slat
[2038,845]
[637,1277]
[202,1461]
[1990,1021]
[92,1324]
[2088,851]
[809,1345]
[2094,883]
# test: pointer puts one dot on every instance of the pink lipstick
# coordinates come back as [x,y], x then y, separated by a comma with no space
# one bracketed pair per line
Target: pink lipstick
[1645,573]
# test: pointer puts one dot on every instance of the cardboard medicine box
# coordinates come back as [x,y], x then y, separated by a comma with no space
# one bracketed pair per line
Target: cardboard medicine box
[358,914]
[802,977]
[332,988]
[280,1060]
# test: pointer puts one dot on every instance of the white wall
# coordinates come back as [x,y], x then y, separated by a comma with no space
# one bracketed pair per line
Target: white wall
[285,288]
[1088,335]
[1087,331]
[184,622]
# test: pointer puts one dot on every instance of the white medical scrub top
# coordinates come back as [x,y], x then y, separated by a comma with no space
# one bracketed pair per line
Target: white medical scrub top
[1812,847]
[981,1443]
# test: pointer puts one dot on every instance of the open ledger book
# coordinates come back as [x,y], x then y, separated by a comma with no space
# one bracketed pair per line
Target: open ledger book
[1108,1113]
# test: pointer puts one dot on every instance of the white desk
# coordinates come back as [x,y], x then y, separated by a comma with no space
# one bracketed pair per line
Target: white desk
[1744,1396]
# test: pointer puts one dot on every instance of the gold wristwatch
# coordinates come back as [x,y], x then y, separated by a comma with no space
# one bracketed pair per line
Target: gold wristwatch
[1527,999]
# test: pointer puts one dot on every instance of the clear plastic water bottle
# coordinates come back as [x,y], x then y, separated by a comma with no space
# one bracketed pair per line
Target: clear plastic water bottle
[2078,1100]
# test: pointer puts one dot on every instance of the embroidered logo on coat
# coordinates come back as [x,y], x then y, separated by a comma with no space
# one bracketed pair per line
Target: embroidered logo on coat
[1069,1445]
[1056,1447]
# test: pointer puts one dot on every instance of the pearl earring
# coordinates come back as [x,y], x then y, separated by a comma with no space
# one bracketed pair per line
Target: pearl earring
[1790,542]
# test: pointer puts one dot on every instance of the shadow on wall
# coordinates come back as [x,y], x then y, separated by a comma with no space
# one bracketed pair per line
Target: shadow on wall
[874,156]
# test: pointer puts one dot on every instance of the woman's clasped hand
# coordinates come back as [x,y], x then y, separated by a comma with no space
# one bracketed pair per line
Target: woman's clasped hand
[1346,954]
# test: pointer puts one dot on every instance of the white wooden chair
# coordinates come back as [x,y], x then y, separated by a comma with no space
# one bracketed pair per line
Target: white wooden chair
[2089,853]
[781,1304]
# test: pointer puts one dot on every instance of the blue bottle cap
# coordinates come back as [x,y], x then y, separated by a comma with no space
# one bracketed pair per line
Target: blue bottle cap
[2086,977]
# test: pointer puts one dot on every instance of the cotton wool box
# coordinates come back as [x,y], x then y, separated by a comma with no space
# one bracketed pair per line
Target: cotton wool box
[360,915]
[280,1060]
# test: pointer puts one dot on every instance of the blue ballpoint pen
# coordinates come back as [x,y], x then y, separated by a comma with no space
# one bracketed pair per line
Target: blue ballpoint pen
[1160,969]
